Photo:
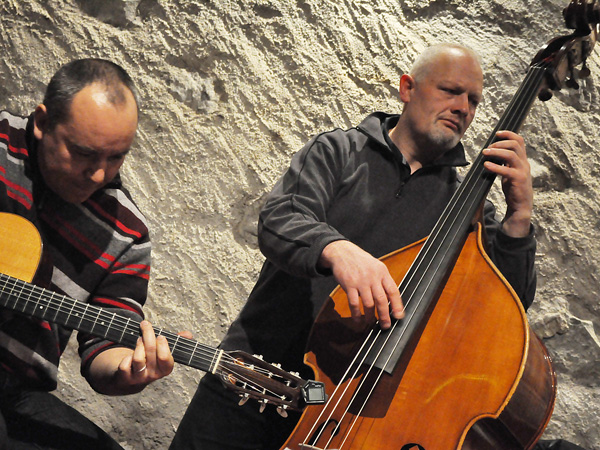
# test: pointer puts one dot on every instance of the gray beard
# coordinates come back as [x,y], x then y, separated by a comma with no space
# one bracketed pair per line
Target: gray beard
[443,141]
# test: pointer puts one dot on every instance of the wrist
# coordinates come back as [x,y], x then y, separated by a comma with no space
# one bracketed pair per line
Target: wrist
[517,225]
[332,251]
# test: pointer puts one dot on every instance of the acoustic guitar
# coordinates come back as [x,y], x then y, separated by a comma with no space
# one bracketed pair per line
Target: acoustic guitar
[249,375]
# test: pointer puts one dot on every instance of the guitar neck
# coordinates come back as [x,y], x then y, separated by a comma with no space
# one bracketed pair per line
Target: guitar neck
[34,301]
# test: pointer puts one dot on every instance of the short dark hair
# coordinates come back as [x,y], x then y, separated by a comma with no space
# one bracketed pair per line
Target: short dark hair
[76,75]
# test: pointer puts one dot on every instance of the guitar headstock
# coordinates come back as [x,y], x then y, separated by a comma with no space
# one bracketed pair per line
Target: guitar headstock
[256,379]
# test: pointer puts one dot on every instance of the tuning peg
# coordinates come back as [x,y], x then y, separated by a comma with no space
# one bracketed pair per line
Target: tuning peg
[545,95]
[244,398]
[571,83]
[584,72]
[282,411]
[263,405]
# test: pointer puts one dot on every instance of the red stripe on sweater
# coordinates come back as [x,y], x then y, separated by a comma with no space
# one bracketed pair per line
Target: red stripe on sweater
[133,273]
[18,198]
[19,150]
[98,350]
[26,193]
[113,219]
[84,245]
[138,270]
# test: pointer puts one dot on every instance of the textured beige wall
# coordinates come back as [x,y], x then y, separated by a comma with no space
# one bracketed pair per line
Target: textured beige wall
[231,88]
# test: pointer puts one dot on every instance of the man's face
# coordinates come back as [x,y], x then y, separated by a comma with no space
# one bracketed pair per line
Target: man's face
[441,105]
[84,153]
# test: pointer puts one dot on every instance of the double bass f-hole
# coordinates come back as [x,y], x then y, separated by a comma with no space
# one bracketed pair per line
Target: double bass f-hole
[322,430]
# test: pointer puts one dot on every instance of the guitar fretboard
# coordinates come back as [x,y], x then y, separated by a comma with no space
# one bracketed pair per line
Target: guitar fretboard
[31,300]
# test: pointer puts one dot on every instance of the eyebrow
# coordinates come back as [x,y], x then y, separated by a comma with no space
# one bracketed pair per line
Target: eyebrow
[82,147]
[93,151]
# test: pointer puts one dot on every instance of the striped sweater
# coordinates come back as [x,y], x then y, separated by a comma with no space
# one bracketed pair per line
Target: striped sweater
[99,253]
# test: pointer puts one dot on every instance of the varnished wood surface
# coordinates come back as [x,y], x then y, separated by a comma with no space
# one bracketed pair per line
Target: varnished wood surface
[20,247]
[465,366]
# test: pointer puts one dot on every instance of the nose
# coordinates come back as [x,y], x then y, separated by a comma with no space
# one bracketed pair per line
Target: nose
[462,104]
[96,173]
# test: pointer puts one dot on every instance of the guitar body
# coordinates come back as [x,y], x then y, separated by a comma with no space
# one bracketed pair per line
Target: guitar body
[20,247]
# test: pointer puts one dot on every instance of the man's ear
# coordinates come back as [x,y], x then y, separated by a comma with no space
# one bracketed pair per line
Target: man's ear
[407,85]
[40,121]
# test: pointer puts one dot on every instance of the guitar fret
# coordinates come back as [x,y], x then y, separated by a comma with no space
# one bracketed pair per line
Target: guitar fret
[10,294]
[36,302]
[7,294]
[124,329]
[62,298]
[192,354]
[112,317]
[82,316]
[70,314]
[175,344]
[4,287]
[20,293]
[95,322]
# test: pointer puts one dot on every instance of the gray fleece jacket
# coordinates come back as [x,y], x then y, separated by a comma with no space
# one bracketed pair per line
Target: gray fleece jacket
[350,184]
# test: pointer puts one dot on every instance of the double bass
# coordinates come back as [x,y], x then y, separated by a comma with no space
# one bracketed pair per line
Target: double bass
[462,370]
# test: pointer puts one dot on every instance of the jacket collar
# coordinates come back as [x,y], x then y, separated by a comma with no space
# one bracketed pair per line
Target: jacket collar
[378,123]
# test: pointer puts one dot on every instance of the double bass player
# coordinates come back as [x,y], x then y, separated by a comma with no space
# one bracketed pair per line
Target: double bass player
[348,198]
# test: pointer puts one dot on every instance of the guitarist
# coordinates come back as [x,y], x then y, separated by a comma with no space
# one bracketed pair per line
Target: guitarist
[59,169]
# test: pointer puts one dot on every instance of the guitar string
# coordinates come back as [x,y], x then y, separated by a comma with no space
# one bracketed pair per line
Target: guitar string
[479,169]
[125,327]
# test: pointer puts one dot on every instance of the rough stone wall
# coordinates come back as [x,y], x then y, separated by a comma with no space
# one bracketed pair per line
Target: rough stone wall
[232,88]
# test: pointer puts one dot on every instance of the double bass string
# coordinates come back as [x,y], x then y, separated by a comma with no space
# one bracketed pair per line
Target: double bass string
[352,364]
[468,197]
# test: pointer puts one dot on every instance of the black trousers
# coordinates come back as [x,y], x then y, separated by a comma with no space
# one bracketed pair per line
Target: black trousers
[39,420]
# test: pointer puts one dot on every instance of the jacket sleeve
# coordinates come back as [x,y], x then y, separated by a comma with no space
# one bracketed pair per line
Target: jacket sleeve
[514,257]
[123,292]
[292,228]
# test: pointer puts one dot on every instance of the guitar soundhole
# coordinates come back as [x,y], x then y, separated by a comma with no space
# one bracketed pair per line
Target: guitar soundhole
[412,447]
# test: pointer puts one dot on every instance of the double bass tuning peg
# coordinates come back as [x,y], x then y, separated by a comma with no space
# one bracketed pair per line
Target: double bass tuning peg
[572,83]
[585,71]
[545,95]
